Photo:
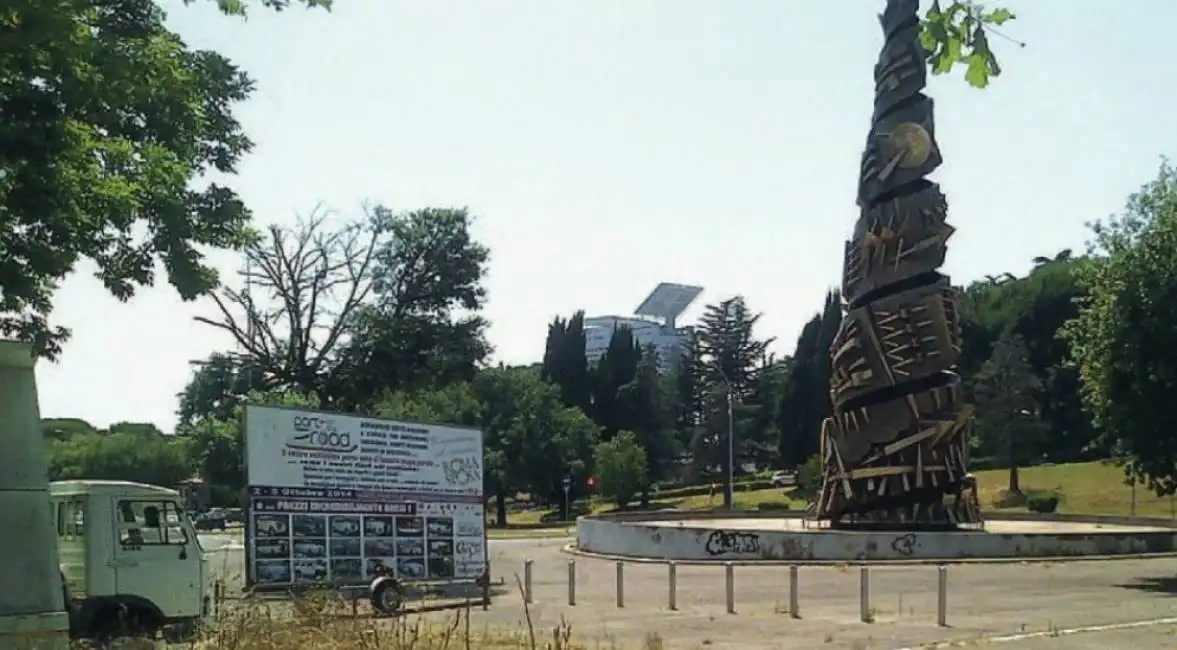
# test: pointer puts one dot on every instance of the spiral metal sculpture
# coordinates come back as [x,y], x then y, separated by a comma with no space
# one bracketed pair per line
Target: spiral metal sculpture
[895,451]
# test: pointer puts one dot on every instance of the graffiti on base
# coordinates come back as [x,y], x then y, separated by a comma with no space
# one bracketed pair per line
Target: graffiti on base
[722,542]
[904,544]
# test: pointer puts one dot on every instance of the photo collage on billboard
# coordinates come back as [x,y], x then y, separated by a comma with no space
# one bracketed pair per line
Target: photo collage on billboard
[438,541]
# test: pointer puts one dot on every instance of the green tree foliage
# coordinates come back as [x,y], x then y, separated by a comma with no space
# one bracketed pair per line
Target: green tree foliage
[423,325]
[218,445]
[1008,421]
[565,363]
[108,118]
[804,399]
[1125,332]
[347,313]
[621,467]
[128,452]
[956,33]
[616,368]
[731,358]
[531,439]
[218,386]
[240,7]
[646,404]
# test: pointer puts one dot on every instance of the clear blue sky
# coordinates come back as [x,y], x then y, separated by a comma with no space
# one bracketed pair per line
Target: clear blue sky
[606,146]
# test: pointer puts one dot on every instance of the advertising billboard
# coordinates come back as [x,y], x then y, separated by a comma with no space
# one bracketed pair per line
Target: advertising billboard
[333,497]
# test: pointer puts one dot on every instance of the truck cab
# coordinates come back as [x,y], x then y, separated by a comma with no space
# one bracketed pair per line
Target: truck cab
[130,559]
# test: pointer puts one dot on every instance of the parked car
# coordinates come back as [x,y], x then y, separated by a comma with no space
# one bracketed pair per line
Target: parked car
[211,520]
[783,479]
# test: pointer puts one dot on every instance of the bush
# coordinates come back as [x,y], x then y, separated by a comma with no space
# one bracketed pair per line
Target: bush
[1043,502]
[621,467]
[696,490]
[771,506]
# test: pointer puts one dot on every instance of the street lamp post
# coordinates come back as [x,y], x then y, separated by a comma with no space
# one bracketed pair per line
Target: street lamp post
[729,497]
[729,488]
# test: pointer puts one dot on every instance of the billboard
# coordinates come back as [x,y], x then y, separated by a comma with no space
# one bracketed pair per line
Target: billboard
[332,497]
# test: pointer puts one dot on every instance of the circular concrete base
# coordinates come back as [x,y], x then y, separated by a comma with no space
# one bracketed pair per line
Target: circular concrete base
[783,537]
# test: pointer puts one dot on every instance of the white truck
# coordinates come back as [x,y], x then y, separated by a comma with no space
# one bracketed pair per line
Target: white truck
[130,560]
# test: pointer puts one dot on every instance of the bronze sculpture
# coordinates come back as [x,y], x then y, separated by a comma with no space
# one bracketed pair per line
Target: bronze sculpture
[895,451]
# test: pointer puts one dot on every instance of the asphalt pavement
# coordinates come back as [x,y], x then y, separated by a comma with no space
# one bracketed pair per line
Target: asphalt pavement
[1023,606]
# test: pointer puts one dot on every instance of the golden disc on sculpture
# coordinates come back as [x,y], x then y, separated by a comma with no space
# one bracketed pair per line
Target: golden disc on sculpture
[914,140]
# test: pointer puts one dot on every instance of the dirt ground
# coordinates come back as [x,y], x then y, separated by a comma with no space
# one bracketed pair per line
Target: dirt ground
[1026,606]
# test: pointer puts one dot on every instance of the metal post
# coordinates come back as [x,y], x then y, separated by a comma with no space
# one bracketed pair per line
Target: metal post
[485,579]
[527,581]
[731,462]
[794,601]
[620,585]
[942,597]
[672,586]
[864,595]
[730,584]
[572,582]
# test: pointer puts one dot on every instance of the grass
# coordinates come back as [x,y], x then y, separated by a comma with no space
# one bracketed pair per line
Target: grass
[1094,488]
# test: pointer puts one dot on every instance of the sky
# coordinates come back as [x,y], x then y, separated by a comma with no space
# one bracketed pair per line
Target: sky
[610,145]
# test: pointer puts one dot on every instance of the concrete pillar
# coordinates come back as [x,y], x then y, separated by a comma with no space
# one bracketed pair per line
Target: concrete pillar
[32,614]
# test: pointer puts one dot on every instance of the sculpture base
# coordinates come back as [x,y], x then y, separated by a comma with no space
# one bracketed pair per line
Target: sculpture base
[786,537]
[48,631]
[890,527]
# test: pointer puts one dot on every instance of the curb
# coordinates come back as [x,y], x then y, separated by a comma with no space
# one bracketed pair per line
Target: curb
[571,549]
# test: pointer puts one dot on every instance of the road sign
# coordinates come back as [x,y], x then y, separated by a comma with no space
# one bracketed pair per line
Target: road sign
[567,482]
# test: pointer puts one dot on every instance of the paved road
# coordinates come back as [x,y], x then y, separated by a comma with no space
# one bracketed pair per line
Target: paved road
[1031,606]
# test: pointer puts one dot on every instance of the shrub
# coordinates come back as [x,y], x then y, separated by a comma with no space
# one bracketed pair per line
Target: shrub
[809,477]
[771,505]
[1043,502]
[696,490]
[621,466]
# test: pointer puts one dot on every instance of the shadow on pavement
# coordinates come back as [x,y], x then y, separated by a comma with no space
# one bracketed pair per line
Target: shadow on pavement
[1163,585]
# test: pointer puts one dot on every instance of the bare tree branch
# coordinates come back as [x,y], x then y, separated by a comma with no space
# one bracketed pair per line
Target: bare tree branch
[303,285]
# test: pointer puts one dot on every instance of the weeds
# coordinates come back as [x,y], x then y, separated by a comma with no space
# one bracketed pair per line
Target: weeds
[326,621]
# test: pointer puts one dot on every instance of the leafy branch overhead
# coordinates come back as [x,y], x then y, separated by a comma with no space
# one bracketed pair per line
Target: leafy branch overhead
[957,34]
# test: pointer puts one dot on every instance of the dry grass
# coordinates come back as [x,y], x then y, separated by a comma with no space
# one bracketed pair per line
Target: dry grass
[327,622]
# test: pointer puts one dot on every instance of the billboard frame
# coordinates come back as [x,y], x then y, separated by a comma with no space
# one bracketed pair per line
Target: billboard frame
[248,498]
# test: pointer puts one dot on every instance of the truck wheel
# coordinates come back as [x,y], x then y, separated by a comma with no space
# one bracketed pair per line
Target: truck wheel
[114,625]
[386,596]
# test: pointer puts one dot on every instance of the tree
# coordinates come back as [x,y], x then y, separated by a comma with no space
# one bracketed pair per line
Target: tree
[805,391]
[565,363]
[422,327]
[1035,307]
[531,440]
[647,406]
[218,386]
[730,357]
[303,286]
[616,368]
[1008,414]
[1125,331]
[621,467]
[108,118]
[127,453]
[217,445]
[688,391]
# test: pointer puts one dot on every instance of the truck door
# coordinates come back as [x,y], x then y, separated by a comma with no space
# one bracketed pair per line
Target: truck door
[155,559]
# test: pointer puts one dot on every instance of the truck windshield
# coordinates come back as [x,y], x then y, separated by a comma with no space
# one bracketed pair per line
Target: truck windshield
[177,517]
